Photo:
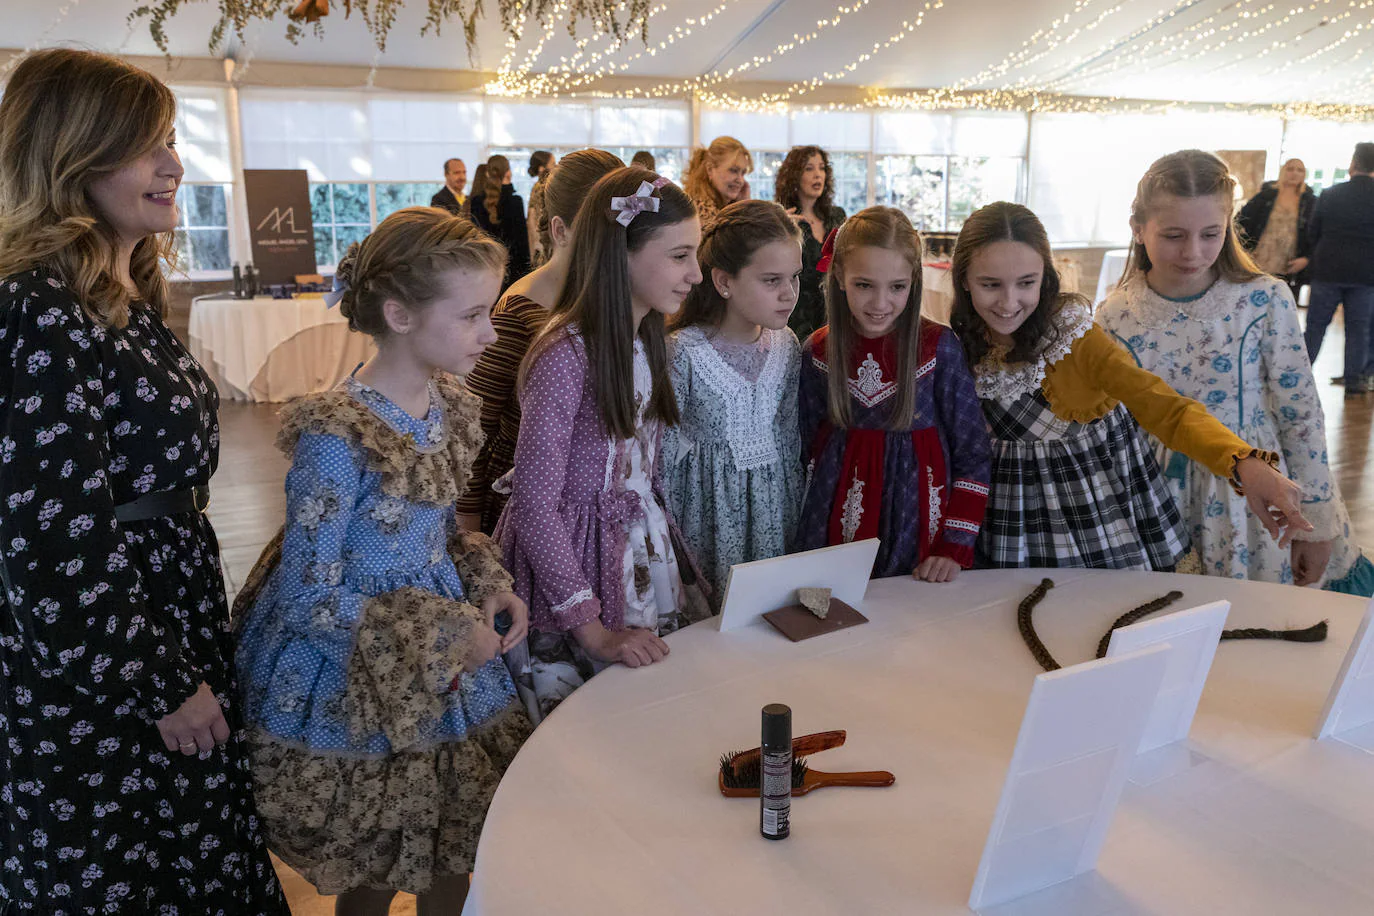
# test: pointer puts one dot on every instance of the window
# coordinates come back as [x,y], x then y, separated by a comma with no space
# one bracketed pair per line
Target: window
[850,180]
[670,162]
[397,195]
[916,186]
[202,233]
[977,181]
[1325,147]
[1085,168]
[342,215]
[764,179]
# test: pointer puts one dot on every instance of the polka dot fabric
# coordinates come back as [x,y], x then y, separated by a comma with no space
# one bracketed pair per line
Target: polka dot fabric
[375,755]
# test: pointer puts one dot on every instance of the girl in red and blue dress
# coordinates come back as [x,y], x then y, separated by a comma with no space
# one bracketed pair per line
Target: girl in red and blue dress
[894,441]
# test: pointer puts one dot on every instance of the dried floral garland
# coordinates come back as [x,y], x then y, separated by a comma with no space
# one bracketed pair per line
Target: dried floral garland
[617,17]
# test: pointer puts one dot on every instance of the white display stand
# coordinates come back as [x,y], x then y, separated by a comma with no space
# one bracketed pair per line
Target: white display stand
[1194,635]
[1078,737]
[1349,710]
[754,589]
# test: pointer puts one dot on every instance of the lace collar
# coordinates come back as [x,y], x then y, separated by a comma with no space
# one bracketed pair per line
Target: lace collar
[994,379]
[429,434]
[1155,311]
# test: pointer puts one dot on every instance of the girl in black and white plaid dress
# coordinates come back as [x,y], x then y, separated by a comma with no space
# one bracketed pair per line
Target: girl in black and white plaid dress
[1073,481]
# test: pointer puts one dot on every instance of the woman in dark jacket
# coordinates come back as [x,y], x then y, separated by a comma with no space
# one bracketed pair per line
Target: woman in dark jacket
[1274,224]
[805,188]
[501,213]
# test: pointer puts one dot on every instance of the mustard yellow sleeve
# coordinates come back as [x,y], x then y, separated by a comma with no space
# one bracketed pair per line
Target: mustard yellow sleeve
[1182,424]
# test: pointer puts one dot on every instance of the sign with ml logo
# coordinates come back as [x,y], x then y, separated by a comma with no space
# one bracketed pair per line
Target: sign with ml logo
[281,230]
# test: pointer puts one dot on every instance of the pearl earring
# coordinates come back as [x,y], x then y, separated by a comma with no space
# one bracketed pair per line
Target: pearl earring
[725,294]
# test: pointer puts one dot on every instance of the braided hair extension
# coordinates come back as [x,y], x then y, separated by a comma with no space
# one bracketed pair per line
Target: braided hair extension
[1131,617]
[1314,633]
[1027,626]
[1025,623]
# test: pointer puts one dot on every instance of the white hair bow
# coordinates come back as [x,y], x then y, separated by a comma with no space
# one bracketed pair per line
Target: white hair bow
[630,207]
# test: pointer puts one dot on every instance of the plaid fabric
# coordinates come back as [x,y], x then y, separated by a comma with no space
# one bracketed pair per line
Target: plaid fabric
[1068,494]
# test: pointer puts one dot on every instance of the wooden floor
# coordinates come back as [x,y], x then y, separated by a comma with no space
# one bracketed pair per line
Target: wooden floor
[247,506]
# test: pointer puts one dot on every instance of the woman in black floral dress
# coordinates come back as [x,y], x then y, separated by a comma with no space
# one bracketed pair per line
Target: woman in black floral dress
[124,781]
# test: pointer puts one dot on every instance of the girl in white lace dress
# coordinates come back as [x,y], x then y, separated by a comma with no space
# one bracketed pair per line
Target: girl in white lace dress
[732,467]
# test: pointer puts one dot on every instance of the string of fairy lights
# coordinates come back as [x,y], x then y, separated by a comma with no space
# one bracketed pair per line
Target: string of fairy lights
[1045,73]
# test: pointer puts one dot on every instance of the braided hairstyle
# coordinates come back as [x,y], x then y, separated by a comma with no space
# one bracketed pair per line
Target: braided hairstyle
[1188,173]
[405,259]
[729,243]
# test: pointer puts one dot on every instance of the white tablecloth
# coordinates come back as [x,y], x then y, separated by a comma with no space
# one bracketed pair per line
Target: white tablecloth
[1113,266]
[612,806]
[267,349]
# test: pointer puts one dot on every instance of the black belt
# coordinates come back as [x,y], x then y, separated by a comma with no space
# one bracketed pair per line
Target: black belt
[163,503]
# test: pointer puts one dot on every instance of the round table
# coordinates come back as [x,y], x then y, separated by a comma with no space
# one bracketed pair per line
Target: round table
[1113,266]
[612,805]
[266,349]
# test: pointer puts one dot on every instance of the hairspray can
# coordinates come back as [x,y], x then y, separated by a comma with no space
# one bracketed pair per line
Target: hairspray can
[775,786]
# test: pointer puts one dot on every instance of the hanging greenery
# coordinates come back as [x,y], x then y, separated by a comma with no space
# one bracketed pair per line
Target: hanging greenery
[617,17]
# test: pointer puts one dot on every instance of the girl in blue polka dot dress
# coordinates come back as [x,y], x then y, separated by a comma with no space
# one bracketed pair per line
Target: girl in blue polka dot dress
[381,716]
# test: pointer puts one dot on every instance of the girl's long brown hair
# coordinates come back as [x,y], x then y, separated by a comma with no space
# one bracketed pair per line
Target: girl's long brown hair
[68,119]
[567,185]
[729,242]
[877,227]
[497,167]
[1190,173]
[597,298]
[1005,222]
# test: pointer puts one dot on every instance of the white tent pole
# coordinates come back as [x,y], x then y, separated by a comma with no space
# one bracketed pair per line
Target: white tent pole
[240,247]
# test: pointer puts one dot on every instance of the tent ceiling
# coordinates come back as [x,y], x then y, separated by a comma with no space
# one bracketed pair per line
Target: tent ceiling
[1199,50]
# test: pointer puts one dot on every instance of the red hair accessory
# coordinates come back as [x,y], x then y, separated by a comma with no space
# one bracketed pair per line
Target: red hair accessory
[827,252]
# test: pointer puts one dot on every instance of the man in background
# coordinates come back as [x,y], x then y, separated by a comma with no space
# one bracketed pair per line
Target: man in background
[450,196]
[1341,235]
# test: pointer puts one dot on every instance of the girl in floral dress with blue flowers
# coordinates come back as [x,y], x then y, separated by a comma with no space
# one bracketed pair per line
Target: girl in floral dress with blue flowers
[381,717]
[1193,309]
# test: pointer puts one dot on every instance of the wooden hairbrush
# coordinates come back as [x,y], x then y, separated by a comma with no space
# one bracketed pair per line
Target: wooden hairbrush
[741,773]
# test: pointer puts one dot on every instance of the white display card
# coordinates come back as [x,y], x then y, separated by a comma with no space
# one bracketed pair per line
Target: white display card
[1194,634]
[1349,710]
[754,589]
[1078,737]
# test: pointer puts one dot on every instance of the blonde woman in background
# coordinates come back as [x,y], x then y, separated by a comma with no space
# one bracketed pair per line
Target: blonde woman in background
[718,175]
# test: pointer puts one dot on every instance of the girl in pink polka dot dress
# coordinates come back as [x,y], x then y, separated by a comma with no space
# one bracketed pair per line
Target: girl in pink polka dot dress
[587,534]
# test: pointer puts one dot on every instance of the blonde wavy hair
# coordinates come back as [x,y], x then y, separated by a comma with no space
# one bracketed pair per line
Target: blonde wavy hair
[404,259]
[697,180]
[68,119]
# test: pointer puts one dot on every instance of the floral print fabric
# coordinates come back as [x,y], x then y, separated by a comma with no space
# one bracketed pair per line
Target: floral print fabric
[108,627]
[1239,351]
[351,652]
